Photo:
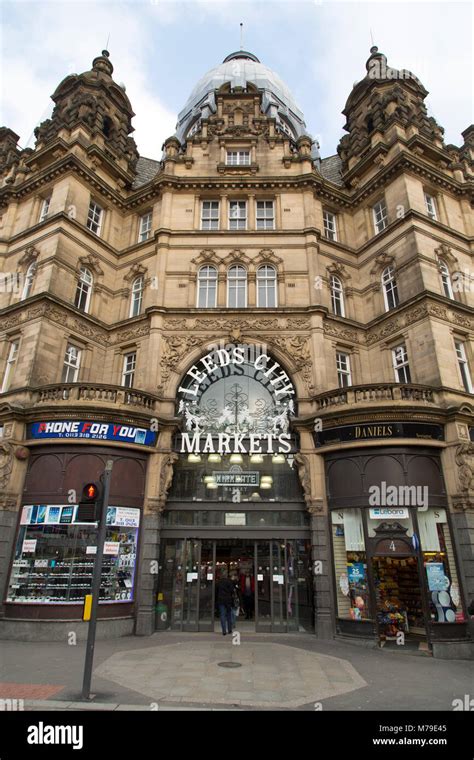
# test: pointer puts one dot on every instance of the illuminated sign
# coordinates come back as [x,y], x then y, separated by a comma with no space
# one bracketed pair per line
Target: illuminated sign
[96,431]
[242,479]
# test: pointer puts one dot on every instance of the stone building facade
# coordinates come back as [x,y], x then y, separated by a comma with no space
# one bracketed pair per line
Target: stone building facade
[351,275]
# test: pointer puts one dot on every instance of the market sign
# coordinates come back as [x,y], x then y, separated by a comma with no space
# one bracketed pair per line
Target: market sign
[236,400]
[242,479]
[96,431]
[379,430]
[218,362]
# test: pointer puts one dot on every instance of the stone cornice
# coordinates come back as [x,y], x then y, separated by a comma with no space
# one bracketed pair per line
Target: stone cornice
[324,188]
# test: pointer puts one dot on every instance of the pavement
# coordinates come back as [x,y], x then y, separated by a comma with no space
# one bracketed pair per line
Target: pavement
[204,671]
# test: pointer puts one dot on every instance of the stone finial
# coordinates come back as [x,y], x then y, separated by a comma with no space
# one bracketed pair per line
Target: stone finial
[102,63]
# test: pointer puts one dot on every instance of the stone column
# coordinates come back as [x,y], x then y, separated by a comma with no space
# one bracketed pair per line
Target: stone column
[159,477]
[311,472]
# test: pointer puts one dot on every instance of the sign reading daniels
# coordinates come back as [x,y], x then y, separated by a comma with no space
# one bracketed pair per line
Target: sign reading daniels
[379,430]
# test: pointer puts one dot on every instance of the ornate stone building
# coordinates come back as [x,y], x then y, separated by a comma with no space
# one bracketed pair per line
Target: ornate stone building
[274,349]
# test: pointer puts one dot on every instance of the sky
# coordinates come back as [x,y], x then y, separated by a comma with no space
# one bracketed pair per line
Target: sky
[160,48]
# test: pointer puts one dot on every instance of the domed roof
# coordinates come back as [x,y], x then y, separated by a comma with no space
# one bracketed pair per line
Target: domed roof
[239,69]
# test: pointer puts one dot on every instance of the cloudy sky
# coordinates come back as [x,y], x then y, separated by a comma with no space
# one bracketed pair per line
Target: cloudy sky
[160,48]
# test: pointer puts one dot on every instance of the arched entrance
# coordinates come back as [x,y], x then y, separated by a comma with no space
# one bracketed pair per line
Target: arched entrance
[235,506]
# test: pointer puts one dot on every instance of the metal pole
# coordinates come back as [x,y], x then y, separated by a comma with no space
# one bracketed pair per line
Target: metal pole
[96,578]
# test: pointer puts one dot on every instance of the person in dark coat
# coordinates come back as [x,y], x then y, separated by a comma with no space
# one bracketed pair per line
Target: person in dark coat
[247,587]
[225,602]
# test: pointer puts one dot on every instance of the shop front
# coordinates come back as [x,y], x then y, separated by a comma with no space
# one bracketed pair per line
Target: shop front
[396,576]
[235,507]
[53,552]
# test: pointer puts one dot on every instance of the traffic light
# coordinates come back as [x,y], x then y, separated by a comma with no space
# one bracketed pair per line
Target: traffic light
[90,504]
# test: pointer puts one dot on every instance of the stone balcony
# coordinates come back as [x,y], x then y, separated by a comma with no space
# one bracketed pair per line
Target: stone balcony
[387,394]
[114,397]
[97,393]
[65,395]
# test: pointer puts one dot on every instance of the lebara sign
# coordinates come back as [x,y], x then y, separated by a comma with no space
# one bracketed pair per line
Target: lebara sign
[96,431]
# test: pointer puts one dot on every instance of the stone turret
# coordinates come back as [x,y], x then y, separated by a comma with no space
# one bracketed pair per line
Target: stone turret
[95,104]
[386,105]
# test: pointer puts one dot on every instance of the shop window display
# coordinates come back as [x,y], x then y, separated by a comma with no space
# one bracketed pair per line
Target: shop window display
[54,556]
[350,564]
[440,567]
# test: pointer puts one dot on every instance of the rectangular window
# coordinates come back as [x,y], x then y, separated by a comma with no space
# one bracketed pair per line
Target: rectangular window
[94,218]
[238,215]
[238,158]
[145,227]
[10,366]
[210,215]
[380,216]
[128,374]
[72,363]
[265,215]
[400,364]
[463,366]
[343,370]
[44,209]
[430,206]
[329,221]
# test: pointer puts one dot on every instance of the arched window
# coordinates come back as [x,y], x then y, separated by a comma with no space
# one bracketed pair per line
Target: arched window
[84,290]
[237,287]
[267,286]
[28,284]
[390,289]
[337,296]
[137,296]
[446,279]
[207,288]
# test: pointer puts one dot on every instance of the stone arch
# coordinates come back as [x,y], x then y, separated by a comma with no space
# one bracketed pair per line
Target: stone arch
[194,347]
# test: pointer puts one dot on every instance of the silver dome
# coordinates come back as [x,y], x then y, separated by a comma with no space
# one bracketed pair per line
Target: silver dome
[238,69]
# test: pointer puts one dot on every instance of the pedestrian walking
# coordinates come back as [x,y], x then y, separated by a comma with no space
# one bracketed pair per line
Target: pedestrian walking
[225,603]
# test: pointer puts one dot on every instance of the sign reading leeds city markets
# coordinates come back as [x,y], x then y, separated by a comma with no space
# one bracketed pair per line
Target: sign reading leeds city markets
[96,431]
[249,416]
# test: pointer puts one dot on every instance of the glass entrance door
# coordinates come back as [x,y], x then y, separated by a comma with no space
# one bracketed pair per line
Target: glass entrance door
[273,578]
[207,566]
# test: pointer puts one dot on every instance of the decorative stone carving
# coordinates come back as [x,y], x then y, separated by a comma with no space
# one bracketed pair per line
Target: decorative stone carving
[388,329]
[464,458]
[91,262]
[462,319]
[302,463]
[136,270]
[6,463]
[267,256]
[340,332]
[29,257]
[297,348]
[236,256]
[339,270]
[207,256]
[382,261]
[166,477]
[140,331]
[175,347]
[444,252]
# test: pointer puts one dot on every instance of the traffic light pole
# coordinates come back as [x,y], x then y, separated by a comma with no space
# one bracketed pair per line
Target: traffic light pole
[96,578]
